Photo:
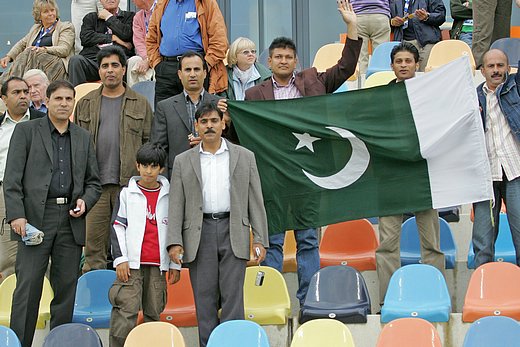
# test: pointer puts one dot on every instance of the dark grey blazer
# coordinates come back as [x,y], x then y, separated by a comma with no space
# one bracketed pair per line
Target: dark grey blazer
[28,173]
[171,125]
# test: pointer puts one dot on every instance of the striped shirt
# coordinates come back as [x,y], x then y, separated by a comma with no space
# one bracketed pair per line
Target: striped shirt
[502,146]
[371,7]
[286,92]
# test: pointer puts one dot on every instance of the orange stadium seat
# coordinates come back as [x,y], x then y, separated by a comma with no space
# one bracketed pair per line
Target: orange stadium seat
[409,332]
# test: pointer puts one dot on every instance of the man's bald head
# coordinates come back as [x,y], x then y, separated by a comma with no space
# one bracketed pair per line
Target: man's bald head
[495,67]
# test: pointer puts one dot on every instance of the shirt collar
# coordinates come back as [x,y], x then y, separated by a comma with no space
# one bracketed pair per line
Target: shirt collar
[26,116]
[289,85]
[53,128]
[187,97]
[487,90]
[222,149]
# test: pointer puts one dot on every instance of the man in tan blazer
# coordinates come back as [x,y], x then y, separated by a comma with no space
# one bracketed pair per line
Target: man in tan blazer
[215,198]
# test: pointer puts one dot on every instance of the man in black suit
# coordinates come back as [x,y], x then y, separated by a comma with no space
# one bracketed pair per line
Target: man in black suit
[174,123]
[15,95]
[51,181]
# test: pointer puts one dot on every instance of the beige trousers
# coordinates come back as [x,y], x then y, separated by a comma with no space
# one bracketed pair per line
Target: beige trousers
[375,28]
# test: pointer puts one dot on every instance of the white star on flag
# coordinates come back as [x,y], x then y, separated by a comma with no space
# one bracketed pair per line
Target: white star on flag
[305,140]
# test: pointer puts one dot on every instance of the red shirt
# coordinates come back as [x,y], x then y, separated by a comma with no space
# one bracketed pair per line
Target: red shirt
[150,254]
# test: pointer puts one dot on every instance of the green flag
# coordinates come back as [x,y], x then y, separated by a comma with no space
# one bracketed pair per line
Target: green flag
[380,151]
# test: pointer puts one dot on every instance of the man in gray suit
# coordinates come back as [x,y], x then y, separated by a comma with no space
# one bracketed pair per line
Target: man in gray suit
[215,197]
[51,181]
[174,123]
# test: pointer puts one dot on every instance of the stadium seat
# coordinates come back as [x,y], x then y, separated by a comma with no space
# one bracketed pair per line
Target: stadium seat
[6,298]
[351,243]
[493,331]
[269,302]
[504,248]
[409,332]
[417,290]
[156,334]
[379,78]
[342,88]
[83,89]
[238,333]
[511,47]
[411,247]
[323,332]
[328,55]
[146,88]
[492,291]
[380,60]
[338,292]
[448,50]
[73,334]
[8,338]
[91,306]
[289,252]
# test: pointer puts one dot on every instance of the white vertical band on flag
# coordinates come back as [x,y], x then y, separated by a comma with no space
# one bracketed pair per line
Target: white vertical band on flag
[446,112]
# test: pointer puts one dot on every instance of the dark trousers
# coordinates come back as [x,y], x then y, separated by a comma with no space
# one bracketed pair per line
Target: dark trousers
[217,278]
[31,264]
[167,82]
[82,70]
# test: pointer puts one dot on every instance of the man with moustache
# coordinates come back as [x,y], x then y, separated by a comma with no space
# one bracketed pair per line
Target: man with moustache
[499,99]
[119,119]
[38,82]
[15,94]
[51,181]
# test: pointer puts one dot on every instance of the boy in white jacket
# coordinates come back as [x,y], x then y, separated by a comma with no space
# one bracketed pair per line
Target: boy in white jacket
[139,246]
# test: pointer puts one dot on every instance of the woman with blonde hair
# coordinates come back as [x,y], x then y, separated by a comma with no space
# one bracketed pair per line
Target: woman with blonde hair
[48,45]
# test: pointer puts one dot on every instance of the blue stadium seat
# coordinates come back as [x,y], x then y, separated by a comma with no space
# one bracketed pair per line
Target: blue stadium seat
[8,338]
[504,248]
[380,60]
[411,248]
[342,88]
[417,290]
[493,331]
[511,47]
[238,333]
[92,306]
[338,292]
[146,88]
[72,334]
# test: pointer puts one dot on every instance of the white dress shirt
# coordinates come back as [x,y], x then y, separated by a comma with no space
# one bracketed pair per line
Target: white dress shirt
[6,131]
[215,179]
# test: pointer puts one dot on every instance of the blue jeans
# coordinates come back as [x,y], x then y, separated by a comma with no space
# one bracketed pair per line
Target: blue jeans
[484,233]
[466,37]
[307,257]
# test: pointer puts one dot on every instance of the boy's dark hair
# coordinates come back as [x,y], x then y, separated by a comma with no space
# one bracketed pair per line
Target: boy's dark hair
[206,108]
[151,154]
[5,86]
[54,86]
[190,54]
[405,47]
[111,50]
[282,42]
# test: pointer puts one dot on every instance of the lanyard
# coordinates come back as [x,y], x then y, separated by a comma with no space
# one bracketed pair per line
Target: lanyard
[146,21]
[44,32]
[406,6]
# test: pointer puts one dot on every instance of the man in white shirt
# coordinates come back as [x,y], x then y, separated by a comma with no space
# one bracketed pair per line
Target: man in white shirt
[499,100]
[215,198]
[15,95]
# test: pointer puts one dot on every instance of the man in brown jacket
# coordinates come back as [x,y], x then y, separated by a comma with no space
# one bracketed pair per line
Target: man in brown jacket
[119,120]
[200,28]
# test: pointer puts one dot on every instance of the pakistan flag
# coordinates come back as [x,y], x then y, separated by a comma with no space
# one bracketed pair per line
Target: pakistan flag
[404,147]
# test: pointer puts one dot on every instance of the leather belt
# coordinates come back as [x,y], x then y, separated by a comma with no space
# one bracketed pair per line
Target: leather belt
[218,215]
[174,58]
[58,201]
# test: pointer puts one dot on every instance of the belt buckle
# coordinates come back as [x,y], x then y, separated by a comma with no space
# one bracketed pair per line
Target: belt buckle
[61,201]
[213,215]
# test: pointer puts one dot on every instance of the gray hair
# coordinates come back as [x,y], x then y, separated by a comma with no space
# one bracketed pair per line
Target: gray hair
[36,72]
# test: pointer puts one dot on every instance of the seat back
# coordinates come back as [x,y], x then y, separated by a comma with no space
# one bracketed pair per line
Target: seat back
[83,89]
[6,298]
[351,243]
[268,303]
[180,305]
[73,334]
[238,333]
[504,247]
[492,290]
[409,332]
[380,60]
[411,246]
[448,50]
[322,332]
[327,56]
[417,290]
[379,78]
[289,252]
[156,334]
[146,88]
[92,290]
[8,338]
[493,331]
[511,47]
